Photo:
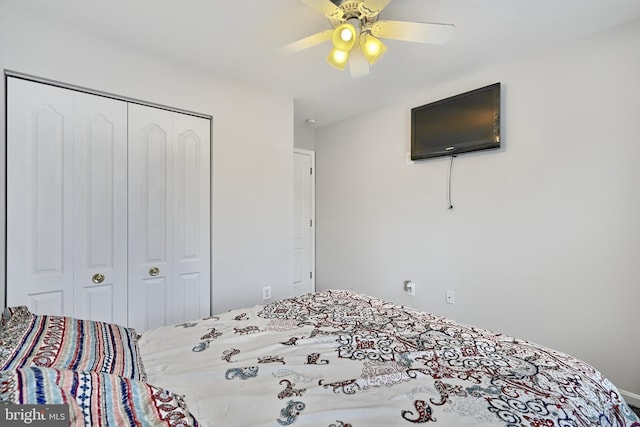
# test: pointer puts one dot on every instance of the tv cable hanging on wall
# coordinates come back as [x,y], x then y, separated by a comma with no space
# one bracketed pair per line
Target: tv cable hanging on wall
[449,183]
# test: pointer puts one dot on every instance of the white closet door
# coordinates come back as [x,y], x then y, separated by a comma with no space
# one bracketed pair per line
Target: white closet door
[100,167]
[169,217]
[191,218]
[150,237]
[108,208]
[39,203]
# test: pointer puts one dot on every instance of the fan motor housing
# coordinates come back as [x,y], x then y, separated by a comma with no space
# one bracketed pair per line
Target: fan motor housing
[353,9]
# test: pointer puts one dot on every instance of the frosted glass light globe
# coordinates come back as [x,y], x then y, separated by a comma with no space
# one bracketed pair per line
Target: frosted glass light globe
[346,35]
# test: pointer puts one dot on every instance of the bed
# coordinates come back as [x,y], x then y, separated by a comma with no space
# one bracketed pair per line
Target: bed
[333,358]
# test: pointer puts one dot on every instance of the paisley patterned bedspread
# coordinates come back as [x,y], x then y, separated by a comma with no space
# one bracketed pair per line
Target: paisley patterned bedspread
[340,359]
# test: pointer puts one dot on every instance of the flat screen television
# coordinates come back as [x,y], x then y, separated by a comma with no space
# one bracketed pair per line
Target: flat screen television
[462,123]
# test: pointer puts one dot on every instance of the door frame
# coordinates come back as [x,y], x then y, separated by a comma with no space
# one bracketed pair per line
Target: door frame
[312,210]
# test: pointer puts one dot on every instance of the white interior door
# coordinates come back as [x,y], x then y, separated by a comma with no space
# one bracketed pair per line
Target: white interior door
[191,250]
[169,217]
[303,225]
[150,237]
[66,202]
[39,200]
[100,199]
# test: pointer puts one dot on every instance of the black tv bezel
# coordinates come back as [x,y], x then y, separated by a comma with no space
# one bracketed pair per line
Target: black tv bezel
[461,147]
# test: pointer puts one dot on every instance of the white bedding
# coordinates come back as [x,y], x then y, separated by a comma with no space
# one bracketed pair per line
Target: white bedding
[340,359]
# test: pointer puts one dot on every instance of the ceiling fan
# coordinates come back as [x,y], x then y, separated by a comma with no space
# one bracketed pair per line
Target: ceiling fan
[357,32]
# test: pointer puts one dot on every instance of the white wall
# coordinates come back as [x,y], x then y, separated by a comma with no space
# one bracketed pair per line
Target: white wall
[544,239]
[252,165]
[304,136]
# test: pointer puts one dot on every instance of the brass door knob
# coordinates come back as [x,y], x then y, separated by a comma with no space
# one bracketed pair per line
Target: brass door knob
[97,278]
[154,271]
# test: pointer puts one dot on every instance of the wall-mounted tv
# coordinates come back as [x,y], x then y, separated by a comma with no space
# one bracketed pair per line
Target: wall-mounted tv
[462,123]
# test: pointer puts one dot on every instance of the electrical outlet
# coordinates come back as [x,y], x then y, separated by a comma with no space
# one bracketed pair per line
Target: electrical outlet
[410,288]
[266,292]
[450,297]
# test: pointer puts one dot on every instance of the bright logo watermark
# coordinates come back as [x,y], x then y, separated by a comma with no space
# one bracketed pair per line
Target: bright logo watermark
[34,415]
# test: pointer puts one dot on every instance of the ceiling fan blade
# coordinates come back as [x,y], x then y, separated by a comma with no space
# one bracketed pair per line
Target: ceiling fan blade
[303,44]
[376,4]
[358,64]
[421,32]
[325,7]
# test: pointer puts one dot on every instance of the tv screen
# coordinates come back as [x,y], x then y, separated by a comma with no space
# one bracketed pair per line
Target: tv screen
[459,124]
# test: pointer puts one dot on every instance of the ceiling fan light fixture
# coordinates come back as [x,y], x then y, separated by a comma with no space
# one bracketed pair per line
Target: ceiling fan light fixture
[372,47]
[338,58]
[344,37]
[355,32]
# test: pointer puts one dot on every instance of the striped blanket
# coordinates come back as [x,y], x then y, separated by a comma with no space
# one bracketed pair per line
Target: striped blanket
[92,367]
[61,342]
[95,398]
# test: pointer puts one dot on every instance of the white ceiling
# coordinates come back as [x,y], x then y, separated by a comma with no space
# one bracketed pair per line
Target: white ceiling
[233,38]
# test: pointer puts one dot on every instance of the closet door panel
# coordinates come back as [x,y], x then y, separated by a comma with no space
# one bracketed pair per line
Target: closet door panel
[191,207]
[39,203]
[153,302]
[150,238]
[100,166]
[155,145]
[97,303]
